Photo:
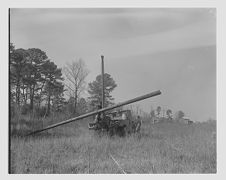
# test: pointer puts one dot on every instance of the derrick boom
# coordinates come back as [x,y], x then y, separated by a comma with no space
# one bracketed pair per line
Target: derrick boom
[149,95]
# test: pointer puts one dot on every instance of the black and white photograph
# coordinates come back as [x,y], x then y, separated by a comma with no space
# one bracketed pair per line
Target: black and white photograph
[112,90]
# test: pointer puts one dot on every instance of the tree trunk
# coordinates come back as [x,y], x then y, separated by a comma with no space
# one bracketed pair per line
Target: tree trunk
[32,98]
[75,104]
[18,92]
[76,101]
[26,95]
[48,107]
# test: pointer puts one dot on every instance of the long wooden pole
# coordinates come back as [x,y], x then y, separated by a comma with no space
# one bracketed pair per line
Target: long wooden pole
[103,86]
[149,95]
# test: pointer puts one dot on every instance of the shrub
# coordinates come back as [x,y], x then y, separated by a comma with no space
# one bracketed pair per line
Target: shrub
[40,111]
[25,109]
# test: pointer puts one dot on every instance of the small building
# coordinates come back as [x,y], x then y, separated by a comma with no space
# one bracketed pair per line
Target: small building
[155,120]
[187,120]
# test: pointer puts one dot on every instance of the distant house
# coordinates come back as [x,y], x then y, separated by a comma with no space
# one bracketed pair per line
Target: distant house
[187,120]
[155,120]
[161,120]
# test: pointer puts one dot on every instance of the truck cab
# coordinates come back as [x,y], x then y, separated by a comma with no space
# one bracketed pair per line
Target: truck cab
[121,121]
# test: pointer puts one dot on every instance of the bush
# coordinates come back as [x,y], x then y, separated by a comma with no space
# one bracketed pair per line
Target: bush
[25,109]
[40,111]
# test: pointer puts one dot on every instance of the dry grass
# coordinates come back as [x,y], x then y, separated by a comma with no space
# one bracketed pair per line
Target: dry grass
[160,148]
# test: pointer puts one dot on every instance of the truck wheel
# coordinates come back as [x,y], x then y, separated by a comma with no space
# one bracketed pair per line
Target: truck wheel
[112,131]
[121,131]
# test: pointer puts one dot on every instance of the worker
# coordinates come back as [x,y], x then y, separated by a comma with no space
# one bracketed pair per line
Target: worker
[96,119]
[138,124]
[124,116]
[98,116]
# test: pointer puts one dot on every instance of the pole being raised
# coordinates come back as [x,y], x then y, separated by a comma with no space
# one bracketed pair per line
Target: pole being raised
[102,71]
[149,95]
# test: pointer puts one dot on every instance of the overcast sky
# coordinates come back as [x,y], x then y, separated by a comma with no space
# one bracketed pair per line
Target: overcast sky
[172,50]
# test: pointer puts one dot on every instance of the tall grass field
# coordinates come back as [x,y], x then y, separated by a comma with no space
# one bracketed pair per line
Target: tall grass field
[159,148]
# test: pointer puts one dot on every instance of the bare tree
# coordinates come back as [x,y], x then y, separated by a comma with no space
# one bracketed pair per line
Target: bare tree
[158,110]
[169,114]
[75,74]
[180,114]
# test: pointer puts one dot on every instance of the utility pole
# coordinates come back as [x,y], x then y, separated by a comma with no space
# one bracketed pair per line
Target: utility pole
[102,70]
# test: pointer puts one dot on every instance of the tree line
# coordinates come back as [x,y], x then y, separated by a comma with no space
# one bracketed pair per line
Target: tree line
[36,82]
[168,114]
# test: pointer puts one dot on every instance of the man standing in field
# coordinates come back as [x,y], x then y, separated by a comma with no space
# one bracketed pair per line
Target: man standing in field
[136,125]
[97,119]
